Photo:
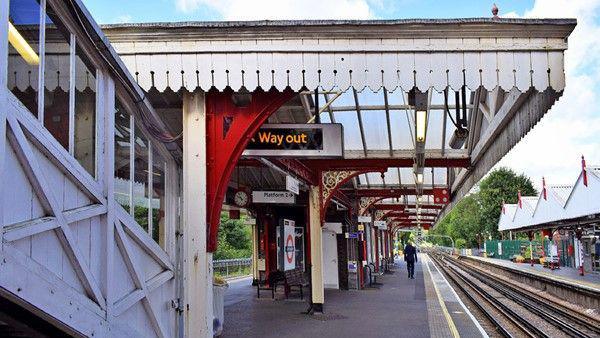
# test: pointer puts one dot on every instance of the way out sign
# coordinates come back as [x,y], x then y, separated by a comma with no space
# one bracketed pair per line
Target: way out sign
[289,245]
[297,140]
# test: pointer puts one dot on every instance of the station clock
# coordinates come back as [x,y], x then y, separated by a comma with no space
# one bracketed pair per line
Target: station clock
[241,198]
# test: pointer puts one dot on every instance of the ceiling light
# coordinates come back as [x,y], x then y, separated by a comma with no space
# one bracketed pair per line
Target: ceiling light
[23,48]
[458,139]
[421,121]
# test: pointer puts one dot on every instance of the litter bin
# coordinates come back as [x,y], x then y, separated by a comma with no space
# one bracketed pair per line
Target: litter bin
[219,289]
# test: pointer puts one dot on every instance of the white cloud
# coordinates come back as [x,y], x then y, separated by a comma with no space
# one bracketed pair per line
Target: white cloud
[126,18]
[572,126]
[281,9]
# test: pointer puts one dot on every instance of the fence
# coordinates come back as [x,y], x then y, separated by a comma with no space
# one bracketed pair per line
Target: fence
[232,267]
[463,252]
[507,249]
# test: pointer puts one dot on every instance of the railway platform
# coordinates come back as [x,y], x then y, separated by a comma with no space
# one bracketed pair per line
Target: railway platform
[400,307]
[564,275]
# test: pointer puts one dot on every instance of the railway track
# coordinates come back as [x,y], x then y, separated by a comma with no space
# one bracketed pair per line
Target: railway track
[513,311]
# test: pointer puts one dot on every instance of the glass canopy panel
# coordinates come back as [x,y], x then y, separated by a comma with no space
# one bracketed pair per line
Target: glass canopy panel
[427,176]
[325,117]
[375,178]
[402,134]
[434,129]
[407,176]
[396,98]
[409,199]
[391,176]
[376,132]
[440,176]
[346,99]
[362,180]
[352,140]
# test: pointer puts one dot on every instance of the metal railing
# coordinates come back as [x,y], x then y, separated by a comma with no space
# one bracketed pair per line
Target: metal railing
[232,267]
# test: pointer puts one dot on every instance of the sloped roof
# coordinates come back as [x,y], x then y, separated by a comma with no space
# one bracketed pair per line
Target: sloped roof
[563,203]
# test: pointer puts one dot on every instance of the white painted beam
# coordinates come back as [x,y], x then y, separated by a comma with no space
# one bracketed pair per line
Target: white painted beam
[4,9]
[197,263]
[316,247]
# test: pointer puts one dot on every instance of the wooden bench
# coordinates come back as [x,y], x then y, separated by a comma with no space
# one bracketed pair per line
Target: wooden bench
[295,279]
[270,284]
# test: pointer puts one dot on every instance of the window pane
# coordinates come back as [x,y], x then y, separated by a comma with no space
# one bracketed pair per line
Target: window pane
[122,151]
[158,199]
[85,112]
[141,200]
[23,51]
[56,79]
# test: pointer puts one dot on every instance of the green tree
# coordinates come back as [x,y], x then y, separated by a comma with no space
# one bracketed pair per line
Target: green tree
[234,239]
[475,217]
[501,185]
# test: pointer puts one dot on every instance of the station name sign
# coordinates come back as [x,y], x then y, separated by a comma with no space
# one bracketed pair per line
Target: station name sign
[297,140]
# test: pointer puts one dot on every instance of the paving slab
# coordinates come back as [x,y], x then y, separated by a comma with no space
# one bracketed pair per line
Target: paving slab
[398,308]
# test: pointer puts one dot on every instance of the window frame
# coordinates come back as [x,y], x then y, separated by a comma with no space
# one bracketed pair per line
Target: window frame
[73,43]
[170,172]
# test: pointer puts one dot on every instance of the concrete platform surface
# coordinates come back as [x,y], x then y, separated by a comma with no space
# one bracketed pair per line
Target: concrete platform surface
[398,308]
[564,274]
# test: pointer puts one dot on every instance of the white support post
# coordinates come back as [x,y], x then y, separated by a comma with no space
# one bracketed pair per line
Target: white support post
[72,80]
[106,154]
[197,263]
[3,93]
[316,250]
[41,64]
[131,162]
[150,191]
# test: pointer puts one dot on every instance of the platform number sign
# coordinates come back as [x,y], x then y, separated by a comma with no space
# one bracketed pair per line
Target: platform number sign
[289,245]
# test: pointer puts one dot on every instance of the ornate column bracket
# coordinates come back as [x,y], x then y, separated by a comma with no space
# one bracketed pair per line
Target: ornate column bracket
[379,215]
[330,183]
[365,203]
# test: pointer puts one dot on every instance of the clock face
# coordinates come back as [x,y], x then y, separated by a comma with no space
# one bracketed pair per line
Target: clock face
[241,198]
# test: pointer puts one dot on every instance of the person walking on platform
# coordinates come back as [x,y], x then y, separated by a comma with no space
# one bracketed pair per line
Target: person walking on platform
[410,257]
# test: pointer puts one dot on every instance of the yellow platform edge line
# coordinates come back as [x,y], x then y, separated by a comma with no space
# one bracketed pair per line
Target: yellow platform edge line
[442,304]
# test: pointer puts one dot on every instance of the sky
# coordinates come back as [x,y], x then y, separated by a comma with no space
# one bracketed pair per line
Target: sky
[554,147]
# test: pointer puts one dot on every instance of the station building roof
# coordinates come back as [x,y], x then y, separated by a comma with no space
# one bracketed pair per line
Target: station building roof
[561,205]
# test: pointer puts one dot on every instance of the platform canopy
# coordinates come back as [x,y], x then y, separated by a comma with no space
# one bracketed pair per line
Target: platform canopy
[556,206]
[485,83]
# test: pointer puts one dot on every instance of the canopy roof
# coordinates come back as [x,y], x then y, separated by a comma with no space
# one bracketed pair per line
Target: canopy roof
[342,54]
[502,74]
[561,205]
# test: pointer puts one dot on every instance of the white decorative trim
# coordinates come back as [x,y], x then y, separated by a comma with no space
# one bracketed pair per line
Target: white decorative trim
[339,64]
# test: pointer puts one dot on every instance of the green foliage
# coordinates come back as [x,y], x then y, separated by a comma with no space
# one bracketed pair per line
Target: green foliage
[234,240]
[406,237]
[501,185]
[475,218]
[460,243]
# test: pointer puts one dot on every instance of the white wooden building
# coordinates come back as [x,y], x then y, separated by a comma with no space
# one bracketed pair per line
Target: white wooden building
[565,206]
[69,252]
[103,212]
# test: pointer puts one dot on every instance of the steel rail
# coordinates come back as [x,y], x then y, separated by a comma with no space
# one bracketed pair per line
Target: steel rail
[528,328]
[547,310]
[497,324]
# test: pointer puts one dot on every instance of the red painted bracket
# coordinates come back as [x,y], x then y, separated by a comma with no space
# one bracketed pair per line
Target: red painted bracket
[229,128]
[327,194]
